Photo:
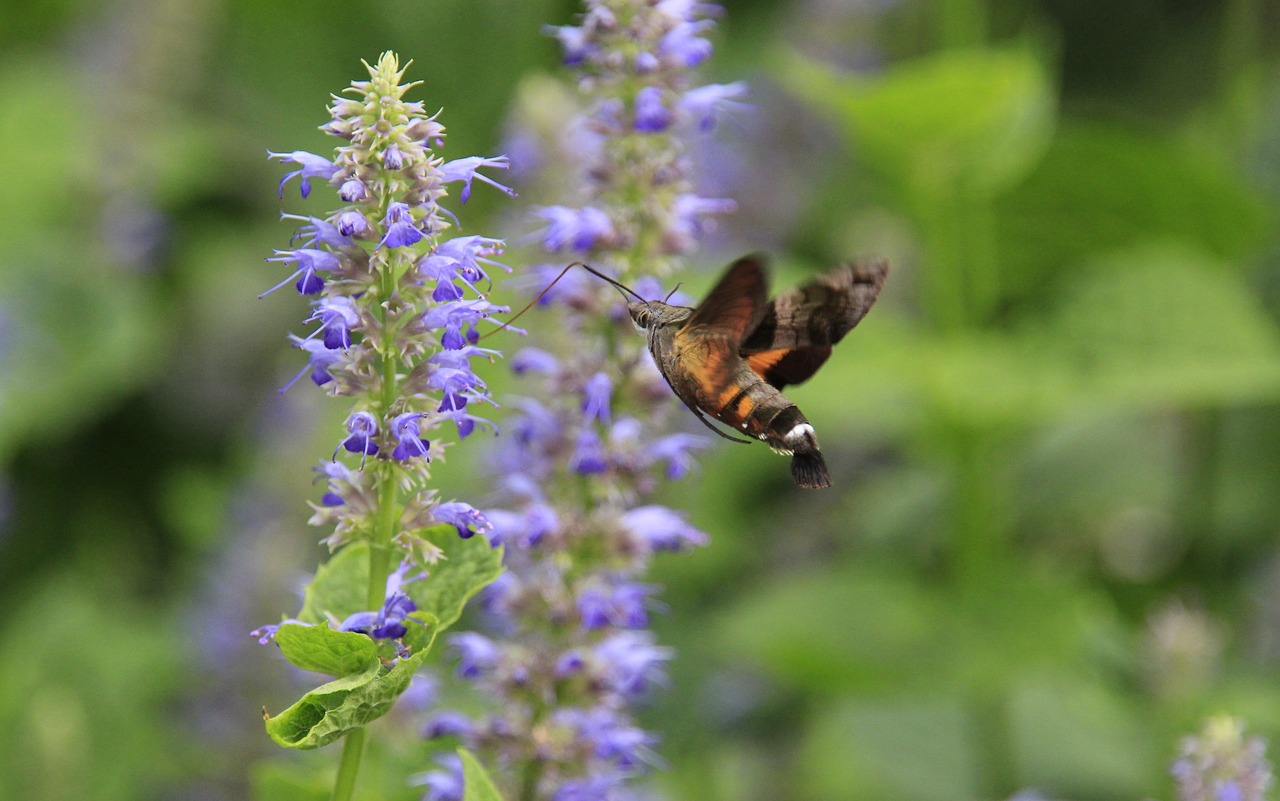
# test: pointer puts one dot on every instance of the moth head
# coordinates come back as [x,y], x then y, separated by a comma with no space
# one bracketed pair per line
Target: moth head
[642,314]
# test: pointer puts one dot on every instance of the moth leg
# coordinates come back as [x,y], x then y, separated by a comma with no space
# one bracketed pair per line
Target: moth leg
[698,413]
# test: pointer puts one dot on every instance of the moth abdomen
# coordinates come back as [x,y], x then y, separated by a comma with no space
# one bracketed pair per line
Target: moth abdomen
[790,432]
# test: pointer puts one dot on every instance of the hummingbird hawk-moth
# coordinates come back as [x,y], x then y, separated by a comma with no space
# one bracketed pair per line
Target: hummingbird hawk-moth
[729,358]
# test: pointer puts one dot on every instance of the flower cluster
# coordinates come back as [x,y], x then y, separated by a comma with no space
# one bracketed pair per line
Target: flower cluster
[396,309]
[635,60]
[1221,764]
[569,654]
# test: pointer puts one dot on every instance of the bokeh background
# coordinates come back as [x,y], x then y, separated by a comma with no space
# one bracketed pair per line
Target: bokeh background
[1052,547]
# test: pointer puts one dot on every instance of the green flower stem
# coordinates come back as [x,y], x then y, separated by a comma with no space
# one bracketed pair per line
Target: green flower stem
[384,531]
[344,785]
[380,550]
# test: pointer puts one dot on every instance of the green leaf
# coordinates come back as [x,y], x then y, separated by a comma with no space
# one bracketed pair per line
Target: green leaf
[1151,327]
[1078,734]
[467,567]
[350,702]
[365,690]
[478,786]
[278,780]
[1161,325]
[912,749]
[907,635]
[972,120]
[323,650]
[339,587]
[1107,187]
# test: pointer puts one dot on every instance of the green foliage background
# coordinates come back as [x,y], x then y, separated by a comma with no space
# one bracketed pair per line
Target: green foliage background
[1052,548]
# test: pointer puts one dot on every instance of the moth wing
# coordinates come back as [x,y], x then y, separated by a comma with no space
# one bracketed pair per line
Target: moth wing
[797,330]
[735,306]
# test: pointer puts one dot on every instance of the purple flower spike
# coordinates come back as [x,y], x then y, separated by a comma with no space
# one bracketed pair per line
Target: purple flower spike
[318,232]
[595,609]
[675,451]
[662,529]
[595,398]
[319,360]
[683,47]
[465,518]
[589,788]
[401,230]
[535,361]
[337,317]
[467,170]
[313,166]
[629,663]
[631,604]
[385,624]
[572,41]
[705,104]
[310,261]
[477,654]
[406,429]
[574,229]
[362,428]
[393,158]
[352,191]
[652,116]
[447,723]
[588,457]
[445,784]
[352,223]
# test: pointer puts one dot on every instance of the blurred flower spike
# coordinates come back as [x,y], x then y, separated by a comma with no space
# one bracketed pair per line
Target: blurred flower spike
[1222,764]
[569,655]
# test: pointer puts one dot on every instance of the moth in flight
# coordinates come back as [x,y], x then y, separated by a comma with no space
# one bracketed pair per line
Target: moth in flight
[729,358]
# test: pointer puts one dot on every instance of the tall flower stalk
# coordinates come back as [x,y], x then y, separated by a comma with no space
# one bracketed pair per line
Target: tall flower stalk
[569,654]
[395,309]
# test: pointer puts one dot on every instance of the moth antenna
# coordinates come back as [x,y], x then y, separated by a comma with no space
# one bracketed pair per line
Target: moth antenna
[674,290]
[554,281]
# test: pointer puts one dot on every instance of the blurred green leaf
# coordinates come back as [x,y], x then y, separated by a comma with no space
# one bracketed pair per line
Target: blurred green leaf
[479,787]
[827,631]
[872,629]
[324,650]
[1152,327]
[1104,187]
[1158,326]
[279,781]
[1080,739]
[903,750]
[974,120]
[88,682]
